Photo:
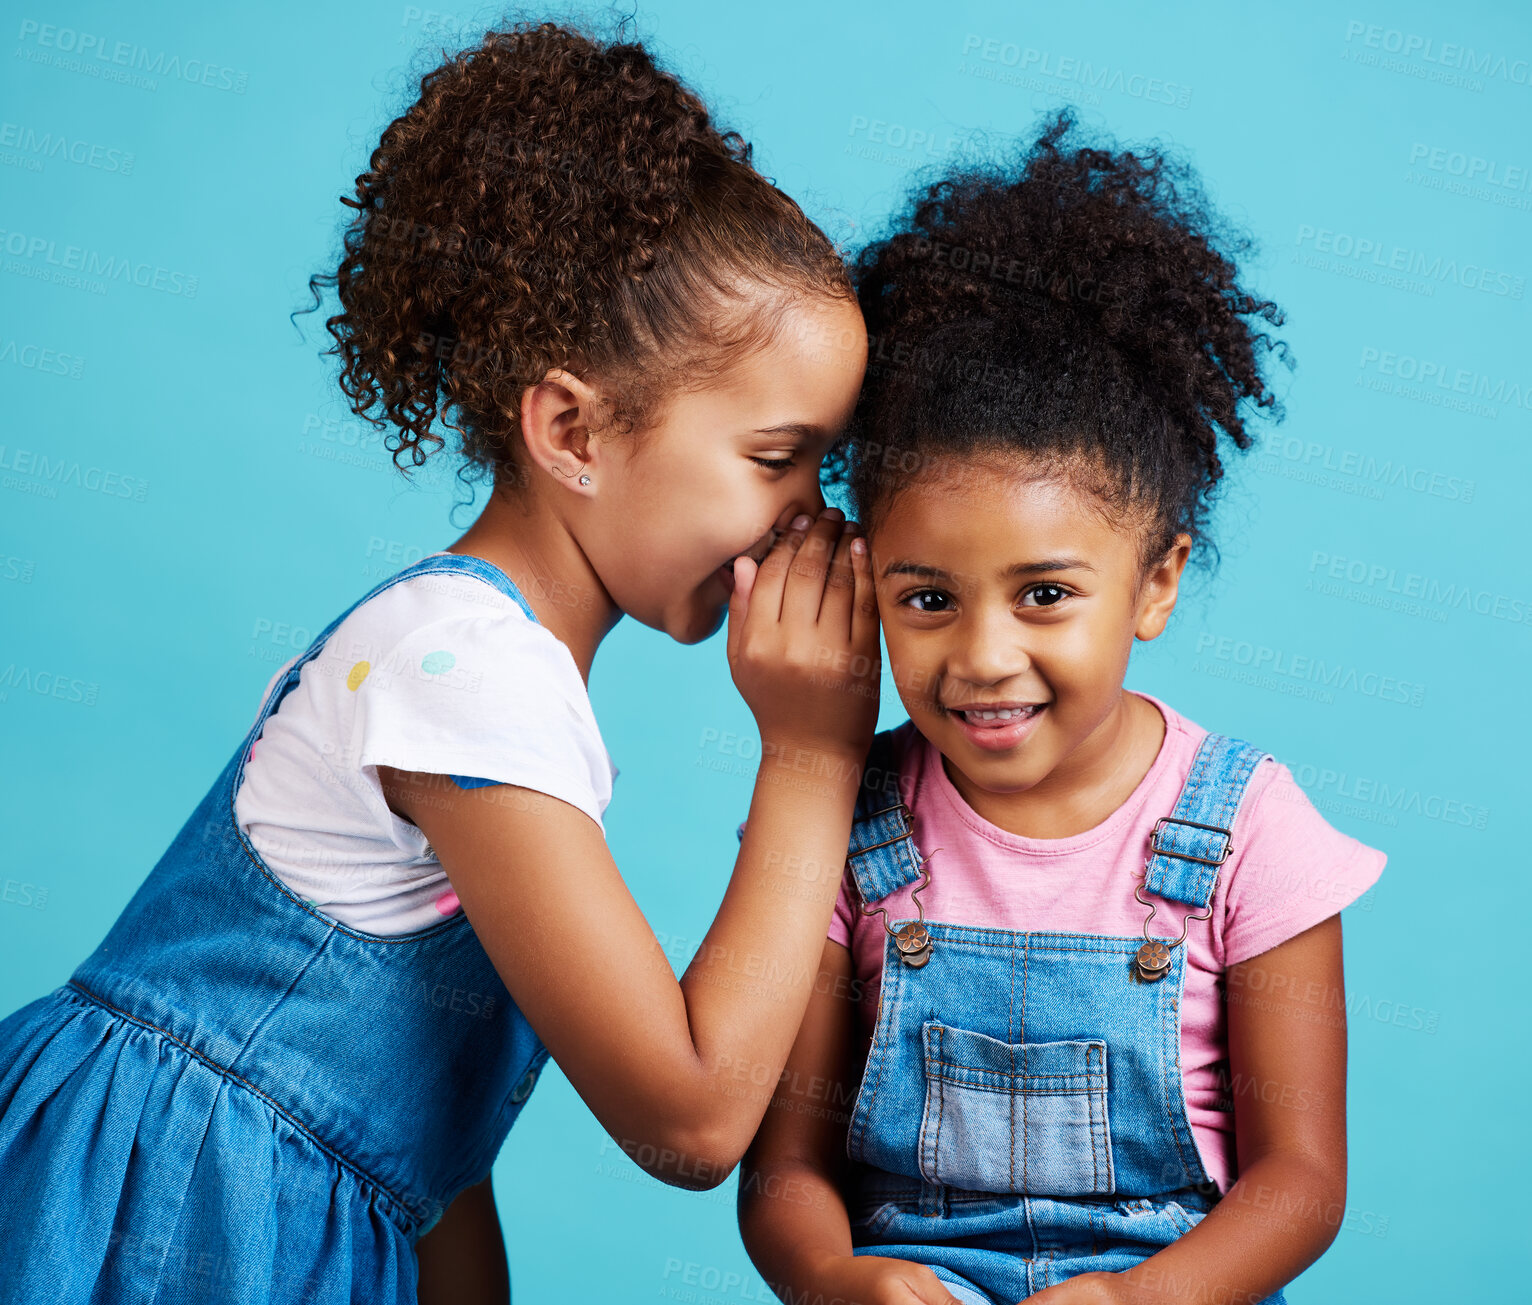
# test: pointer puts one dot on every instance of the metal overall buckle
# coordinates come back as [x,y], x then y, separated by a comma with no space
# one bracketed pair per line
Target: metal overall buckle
[1152,961]
[913,940]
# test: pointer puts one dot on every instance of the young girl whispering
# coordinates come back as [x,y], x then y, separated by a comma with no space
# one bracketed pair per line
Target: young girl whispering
[1079,1034]
[286,1071]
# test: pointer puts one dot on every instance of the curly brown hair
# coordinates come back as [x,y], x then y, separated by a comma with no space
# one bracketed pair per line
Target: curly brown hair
[1077,309]
[553,201]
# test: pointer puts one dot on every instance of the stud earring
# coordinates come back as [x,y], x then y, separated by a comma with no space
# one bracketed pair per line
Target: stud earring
[584,480]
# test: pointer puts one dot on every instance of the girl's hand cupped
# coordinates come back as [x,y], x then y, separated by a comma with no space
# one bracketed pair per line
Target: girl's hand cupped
[803,638]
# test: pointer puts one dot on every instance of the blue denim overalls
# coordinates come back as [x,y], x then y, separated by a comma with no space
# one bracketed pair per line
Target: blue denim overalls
[1020,1119]
[236,1098]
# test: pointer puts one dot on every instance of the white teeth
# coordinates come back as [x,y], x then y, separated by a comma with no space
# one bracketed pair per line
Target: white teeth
[1004,713]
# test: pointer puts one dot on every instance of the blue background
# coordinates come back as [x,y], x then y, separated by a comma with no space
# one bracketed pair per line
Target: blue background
[226,505]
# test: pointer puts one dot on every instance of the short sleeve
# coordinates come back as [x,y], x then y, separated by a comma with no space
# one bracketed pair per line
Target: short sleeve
[840,922]
[485,698]
[1293,869]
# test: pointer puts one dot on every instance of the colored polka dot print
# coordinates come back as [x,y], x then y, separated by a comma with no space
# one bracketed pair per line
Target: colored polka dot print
[357,674]
[447,903]
[438,662]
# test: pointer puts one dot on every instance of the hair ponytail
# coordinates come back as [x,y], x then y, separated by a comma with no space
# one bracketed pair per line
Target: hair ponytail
[551,201]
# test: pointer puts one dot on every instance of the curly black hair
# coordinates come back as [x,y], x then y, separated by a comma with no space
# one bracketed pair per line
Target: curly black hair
[1077,310]
[552,199]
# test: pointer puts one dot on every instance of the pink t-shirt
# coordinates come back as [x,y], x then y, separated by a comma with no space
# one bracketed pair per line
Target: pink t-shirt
[1287,871]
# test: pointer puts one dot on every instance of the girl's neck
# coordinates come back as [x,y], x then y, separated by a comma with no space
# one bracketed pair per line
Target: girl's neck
[528,541]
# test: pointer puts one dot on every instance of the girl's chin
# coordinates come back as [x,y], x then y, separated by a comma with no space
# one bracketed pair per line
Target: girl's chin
[704,616]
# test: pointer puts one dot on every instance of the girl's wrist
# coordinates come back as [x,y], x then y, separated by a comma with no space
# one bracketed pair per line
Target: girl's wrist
[803,753]
[813,1273]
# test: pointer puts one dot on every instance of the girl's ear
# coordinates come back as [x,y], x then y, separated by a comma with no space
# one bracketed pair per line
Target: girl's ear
[558,414]
[1157,593]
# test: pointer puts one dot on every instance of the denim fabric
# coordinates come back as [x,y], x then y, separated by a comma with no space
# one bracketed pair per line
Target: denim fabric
[236,1098]
[1021,1118]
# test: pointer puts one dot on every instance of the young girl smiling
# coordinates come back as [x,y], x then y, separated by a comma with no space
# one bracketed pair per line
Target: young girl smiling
[1079,1033]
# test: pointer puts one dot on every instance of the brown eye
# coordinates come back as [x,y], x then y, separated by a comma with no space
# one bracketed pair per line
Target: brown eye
[928,593]
[1058,594]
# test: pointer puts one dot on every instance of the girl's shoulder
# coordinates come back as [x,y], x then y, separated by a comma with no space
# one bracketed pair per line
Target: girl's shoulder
[467,619]
[426,597]
[454,642]
[1185,736]
[443,672]
[1289,868]
[448,627]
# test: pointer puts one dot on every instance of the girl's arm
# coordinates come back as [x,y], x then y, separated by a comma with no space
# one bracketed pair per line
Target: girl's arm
[792,1216]
[1287,1057]
[662,1063]
[462,1259]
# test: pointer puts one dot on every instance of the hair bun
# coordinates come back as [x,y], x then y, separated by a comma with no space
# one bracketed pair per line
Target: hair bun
[1099,292]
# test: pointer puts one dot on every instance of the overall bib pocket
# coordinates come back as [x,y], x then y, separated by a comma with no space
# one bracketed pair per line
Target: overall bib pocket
[1015,1116]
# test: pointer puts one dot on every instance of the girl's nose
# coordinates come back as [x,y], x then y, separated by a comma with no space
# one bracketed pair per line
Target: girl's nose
[988,650]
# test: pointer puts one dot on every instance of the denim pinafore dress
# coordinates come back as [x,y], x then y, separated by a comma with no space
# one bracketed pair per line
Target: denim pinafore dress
[1020,1119]
[236,1098]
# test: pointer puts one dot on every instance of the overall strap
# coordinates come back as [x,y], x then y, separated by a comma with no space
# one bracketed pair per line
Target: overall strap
[466,564]
[1187,847]
[881,854]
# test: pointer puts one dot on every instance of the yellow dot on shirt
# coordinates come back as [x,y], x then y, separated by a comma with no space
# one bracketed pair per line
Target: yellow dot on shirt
[357,675]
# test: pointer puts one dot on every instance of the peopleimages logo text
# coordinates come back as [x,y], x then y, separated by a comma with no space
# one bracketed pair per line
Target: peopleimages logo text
[129,54]
[1260,657]
[42,252]
[1445,54]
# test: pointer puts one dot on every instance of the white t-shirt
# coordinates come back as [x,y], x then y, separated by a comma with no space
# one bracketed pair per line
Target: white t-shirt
[441,673]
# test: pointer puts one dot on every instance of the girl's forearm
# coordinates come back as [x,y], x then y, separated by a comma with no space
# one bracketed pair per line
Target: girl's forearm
[749,983]
[1274,1222]
[678,1071]
[792,1220]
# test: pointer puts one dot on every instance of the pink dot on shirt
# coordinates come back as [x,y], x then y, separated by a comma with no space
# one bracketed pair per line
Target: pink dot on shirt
[447,903]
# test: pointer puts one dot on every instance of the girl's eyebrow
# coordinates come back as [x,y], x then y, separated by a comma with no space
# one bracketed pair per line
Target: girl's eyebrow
[1020,568]
[800,430]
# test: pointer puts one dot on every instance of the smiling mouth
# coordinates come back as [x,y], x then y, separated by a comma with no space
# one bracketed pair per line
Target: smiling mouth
[996,715]
[997,727]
